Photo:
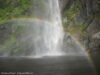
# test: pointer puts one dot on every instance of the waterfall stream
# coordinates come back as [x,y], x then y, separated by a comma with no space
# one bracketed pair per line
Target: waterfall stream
[40,34]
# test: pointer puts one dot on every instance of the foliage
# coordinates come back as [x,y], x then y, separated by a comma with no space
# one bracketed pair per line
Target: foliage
[39,4]
[11,8]
[71,15]
[80,27]
[72,12]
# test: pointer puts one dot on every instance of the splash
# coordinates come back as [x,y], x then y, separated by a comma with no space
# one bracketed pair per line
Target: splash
[40,34]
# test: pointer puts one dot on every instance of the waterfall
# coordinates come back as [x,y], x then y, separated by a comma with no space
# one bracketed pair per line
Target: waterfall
[49,43]
[38,33]
[41,34]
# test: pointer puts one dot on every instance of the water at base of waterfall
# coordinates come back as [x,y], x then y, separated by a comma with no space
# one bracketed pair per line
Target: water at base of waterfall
[63,65]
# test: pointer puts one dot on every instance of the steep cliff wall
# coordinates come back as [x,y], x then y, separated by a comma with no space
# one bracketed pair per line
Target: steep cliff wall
[82,19]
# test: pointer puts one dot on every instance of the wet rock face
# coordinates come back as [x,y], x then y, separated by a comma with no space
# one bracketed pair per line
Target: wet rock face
[89,14]
[96,36]
[65,4]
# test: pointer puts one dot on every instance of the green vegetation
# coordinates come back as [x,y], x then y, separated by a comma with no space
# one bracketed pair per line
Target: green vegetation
[40,4]
[80,27]
[72,12]
[10,9]
[13,8]
[71,15]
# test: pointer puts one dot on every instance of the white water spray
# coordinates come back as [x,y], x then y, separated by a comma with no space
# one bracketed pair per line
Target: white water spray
[39,35]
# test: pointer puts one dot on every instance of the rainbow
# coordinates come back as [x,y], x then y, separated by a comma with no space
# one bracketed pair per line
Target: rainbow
[49,22]
[28,18]
[87,54]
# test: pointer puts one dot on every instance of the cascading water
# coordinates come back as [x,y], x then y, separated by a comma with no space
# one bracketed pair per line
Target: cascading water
[40,35]
[53,35]
[37,33]
[48,36]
